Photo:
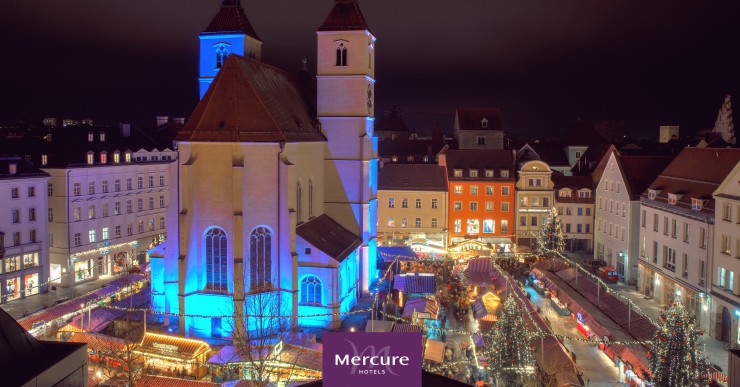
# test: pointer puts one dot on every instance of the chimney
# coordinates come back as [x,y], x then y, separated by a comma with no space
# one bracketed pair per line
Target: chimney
[162,120]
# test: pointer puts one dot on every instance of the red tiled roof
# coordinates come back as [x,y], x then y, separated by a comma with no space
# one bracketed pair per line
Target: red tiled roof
[412,177]
[470,118]
[162,381]
[231,18]
[480,160]
[345,16]
[250,101]
[640,171]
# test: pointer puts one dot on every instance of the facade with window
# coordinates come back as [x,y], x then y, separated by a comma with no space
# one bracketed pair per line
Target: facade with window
[478,128]
[24,254]
[725,291]
[481,197]
[678,237]
[574,200]
[277,205]
[424,188]
[617,208]
[535,197]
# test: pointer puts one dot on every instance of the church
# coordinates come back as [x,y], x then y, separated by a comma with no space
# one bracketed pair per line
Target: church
[276,208]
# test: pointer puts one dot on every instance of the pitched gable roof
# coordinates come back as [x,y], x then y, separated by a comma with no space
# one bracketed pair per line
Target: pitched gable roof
[639,171]
[414,177]
[330,237]
[479,159]
[345,16]
[470,118]
[231,18]
[250,101]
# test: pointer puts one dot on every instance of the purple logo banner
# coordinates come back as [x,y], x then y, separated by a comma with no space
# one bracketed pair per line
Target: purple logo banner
[372,359]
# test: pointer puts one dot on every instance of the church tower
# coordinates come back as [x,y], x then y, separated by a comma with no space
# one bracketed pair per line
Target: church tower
[230,32]
[346,104]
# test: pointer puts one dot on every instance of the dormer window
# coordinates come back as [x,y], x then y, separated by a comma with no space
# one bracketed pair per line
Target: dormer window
[426,159]
[484,123]
[652,194]
[13,168]
[90,158]
[127,157]
[90,136]
[584,194]
[473,173]
[103,157]
[44,160]
[341,55]
[394,159]
[458,173]
[505,173]
[102,136]
[697,204]
[117,157]
[672,199]
[564,193]
[489,172]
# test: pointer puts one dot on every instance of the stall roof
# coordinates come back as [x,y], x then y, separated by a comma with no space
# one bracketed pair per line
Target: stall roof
[486,305]
[99,342]
[163,381]
[419,283]
[402,253]
[171,346]
[420,305]
[290,354]
[379,326]
[434,350]
[401,327]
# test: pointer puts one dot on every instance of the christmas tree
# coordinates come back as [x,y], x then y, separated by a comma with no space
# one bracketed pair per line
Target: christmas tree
[724,125]
[550,239]
[510,354]
[675,356]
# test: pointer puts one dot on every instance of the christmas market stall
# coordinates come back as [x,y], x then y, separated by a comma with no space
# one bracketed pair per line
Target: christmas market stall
[282,361]
[102,350]
[423,310]
[434,351]
[171,355]
[404,255]
[411,285]
[485,310]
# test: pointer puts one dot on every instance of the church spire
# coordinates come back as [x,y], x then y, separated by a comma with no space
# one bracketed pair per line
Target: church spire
[345,16]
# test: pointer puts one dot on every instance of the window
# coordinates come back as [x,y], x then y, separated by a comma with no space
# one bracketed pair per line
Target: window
[117,208]
[618,186]
[117,231]
[91,236]
[130,229]
[474,190]
[105,233]
[405,203]
[151,202]
[726,212]
[588,211]
[725,245]
[310,198]
[418,203]
[651,194]
[32,236]
[458,225]
[489,206]
[489,226]
[665,225]
[50,214]
[721,274]
[105,186]
[568,211]
[457,172]
[655,252]
[473,173]
[458,190]
[489,190]
[567,227]
[674,226]
[341,55]
[504,206]
[473,226]
[91,188]
[686,232]
[129,207]
[140,204]
[127,157]
[260,259]
[103,157]
[417,222]
[128,184]
[141,226]
[505,175]
[78,214]
[162,222]
[117,185]
[216,260]
[404,222]
[391,203]
[16,238]
[643,218]
[49,189]
[579,228]
[16,215]
[161,180]
[481,140]
[434,222]
[91,212]
[221,54]
[311,290]
[685,273]
[77,189]
[696,204]
[151,181]
[117,157]
[656,221]
[90,158]
[434,203]
[105,210]
[701,273]
[473,206]
[588,228]
[151,224]
[580,211]
[702,237]
[672,199]
[51,240]
[31,214]
[140,182]
[504,226]
[457,206]
[534,221]
[584,194]
[489,173]
[522,221]
[161,201]
[669,258]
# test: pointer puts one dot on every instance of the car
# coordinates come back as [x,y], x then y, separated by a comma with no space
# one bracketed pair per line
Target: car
[608,274]
[593,265]
[61,300]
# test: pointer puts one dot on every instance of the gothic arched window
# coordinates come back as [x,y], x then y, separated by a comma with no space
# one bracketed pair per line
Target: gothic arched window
[311,290]
[310,198]
[216,260]
[341,55]
[221,54]
[299,203]
[260,259]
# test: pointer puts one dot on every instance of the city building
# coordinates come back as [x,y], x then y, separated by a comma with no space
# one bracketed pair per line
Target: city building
[277,189]
[574,199]
[24,247]
[478,128]
[412,204]
[623,179]
[391,126]
[481,196]
[677,235]
[534,200]
[667,133]
[726,251]
[553,154]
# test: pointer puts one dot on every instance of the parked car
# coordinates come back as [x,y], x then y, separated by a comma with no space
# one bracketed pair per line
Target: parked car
[608,274]
[593,265]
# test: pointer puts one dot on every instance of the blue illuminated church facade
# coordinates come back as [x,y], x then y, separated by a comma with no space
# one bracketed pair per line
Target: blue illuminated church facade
[276,207]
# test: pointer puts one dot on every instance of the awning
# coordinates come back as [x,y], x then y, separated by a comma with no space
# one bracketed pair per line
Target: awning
[98,342]
[399,327]
[434,351]
[163,381]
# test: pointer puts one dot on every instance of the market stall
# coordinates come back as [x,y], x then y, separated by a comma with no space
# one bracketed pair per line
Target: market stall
[174,356]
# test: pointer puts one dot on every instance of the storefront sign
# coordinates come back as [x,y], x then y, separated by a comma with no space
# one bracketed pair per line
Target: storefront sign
[166,347]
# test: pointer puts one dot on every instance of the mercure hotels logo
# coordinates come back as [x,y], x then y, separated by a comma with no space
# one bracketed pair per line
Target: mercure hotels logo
[372,359]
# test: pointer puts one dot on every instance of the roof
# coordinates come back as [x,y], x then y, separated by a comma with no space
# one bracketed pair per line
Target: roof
[593,161]
[250,101]
[345,16]
[695,173]
[583,133]
[171,346]
[420,305]
[330,237]
[415,283]
[298,355]
[401,327]
[163,381]
[391,122]
[402,253]
[412,177]
[486,305]
[470,118]
[23,169]
[640,171]
[404,146]
[550,152]
[434,350]
[231,18]
[99,342]
[480,159]
[573,182]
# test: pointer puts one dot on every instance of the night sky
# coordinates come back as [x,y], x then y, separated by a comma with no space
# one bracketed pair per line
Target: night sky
[544,63]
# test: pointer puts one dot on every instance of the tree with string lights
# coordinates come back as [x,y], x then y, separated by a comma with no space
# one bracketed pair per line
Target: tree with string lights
[510,356]
[676,356]
[550,239]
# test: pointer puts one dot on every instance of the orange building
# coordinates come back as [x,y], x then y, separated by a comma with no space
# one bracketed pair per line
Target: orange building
[481,196]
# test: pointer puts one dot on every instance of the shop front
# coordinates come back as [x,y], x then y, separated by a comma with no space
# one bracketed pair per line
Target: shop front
[173,356]
[83,269]
[12,288]
[647,280]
